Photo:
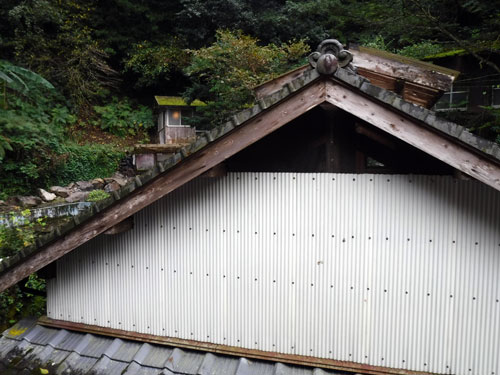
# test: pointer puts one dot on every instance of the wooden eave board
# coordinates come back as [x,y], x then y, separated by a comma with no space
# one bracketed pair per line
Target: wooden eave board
[381,108]
[413,70]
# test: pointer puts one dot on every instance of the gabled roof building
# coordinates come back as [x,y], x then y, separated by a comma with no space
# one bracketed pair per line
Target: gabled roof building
[334,225]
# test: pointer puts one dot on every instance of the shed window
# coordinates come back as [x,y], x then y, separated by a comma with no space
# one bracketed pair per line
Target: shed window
[178,117]
[453,100]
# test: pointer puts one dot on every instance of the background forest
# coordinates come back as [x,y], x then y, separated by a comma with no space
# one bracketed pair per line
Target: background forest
[77,77]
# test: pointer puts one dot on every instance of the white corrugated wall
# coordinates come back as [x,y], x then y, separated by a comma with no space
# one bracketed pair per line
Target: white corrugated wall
[387,270]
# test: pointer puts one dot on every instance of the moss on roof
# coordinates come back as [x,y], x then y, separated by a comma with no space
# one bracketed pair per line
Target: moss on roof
[177,101]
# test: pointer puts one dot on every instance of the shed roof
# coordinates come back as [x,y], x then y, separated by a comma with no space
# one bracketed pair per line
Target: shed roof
[384,109]
[29,347]
[176,101]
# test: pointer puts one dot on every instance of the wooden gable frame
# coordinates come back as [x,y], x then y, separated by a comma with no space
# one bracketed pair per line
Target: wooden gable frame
[381,108]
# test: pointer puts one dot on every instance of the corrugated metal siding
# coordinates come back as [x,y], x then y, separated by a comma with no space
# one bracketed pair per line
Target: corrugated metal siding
[397,271]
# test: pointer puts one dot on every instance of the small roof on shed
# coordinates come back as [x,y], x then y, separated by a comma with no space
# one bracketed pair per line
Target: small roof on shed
[30,347]
[176,101]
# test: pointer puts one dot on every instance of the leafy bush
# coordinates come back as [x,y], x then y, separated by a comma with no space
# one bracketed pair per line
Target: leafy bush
[97,195]
[120,118]
[15,304]
[156,62]
[225,73]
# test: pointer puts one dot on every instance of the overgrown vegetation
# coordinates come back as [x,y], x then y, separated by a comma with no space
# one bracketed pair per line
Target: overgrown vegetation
[97,195]
[224,74]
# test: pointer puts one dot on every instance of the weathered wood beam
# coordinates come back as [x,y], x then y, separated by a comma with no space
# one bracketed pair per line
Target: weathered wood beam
[214,153]
[415,133]
[409,69]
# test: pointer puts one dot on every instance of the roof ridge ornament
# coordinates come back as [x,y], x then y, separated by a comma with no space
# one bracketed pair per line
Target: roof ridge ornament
[329,55]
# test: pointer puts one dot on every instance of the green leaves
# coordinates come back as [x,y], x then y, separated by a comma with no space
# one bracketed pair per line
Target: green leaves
[225,73]
[120,118]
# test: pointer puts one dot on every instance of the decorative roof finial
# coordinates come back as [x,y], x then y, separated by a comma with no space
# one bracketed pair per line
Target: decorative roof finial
[329,55]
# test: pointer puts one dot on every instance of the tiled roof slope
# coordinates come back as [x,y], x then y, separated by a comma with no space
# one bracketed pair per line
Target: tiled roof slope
[428,117]
[28,348]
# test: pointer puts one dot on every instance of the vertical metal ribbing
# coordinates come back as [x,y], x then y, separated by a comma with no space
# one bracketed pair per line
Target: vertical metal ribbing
[388,270]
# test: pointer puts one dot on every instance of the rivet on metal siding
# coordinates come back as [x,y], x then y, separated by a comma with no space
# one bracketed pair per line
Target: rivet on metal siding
[224,338]
[343,239]
[223,231]
[274,281]
[175,271]
[428,294]
[238,340]
[367,288]
[388,180]
[430,240]
[371,179]
[162,269]
[310,350]
[191,333]
[191,272]
[473,298]
[313,235]
[174,228]
[293,282]
[106,263]
[369,238]
[206,230]
[190,228]
[451,295]
[294,178]
[293,234]
[274,233]
[312,284]
[352,236]
[118,322]
[333,236]
[255,279]
[385,290]
[404,361]
[207,274]
[224,276]
[409,181]
[331,286]
[238,277]
[161,225]
[132,266]
[425,364]
[118,264]
[387,238]
[406,292]
[255,232]
[147,268]
[163,329]
[350,355]
[354,179]
[477,243]
[453,241]
[352,287]
[256,177]
[333,179]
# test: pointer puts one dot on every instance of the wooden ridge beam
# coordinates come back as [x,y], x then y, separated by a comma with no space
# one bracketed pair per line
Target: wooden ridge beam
[413,132]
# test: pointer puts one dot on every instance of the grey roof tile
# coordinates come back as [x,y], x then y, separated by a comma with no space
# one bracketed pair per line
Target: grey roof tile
[67,352]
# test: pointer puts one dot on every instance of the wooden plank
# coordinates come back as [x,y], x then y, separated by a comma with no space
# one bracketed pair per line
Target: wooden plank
[410,70]
[193,166]
[382,80]
[442,147]
[219,170]
[421,95]
[332,364]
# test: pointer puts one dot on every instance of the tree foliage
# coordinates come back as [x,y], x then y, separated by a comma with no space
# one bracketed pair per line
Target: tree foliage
[225,73]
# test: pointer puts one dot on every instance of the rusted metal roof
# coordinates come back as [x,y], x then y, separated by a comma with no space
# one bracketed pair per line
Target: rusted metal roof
[31,348]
